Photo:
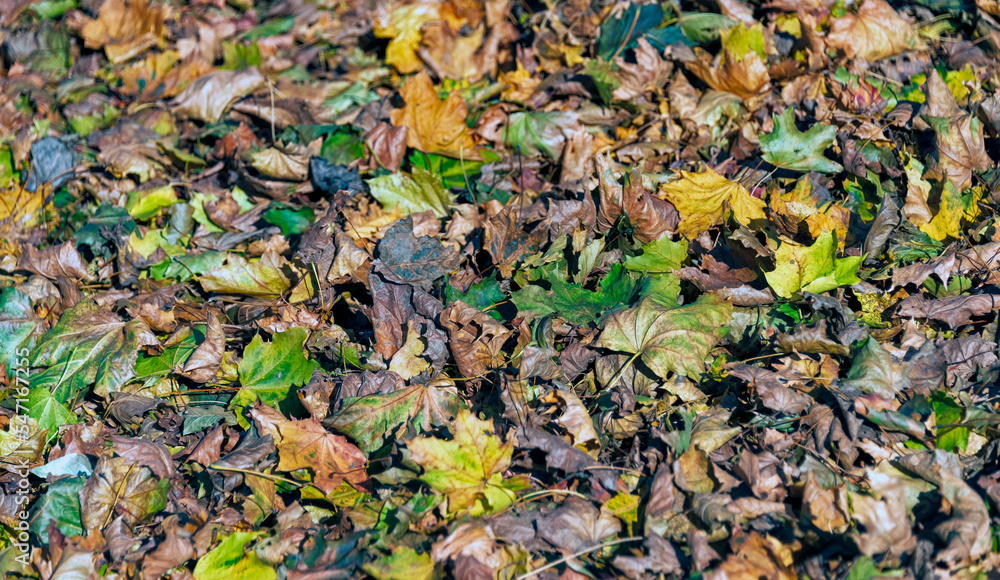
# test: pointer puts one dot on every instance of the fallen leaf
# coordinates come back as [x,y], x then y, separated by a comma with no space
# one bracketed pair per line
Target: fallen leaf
[306,444]
[467,468]
[702,200]
[434,125]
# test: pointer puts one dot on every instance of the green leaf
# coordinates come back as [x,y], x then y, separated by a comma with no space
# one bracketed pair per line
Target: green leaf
[621,31]
[536,132]
[403,564]
[948,412]
[452,172]
[230,560]
[660,256]
[668,340]
[741,40]
[603,74]
[482,295]
[172,357]
[572,302]
[291,221]
[48,411]
[143,205]
[789,148]
[106,228]
[704,27]
[812,268]
[183,268]
[61,504]
[19,327]
[262,278]
[421,191]
[270,370]
[89,345]
[197,419]
[874,370]
[864,568]
[370,420]
[467,468]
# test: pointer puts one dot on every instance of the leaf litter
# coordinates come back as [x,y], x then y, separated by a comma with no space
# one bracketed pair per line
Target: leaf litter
[494,289]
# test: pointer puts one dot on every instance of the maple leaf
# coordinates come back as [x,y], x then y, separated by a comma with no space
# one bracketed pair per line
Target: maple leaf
[402,24]
[668,339]
[702,199]
[739,68]
[875,32]
[125,28]
[306,444]
[789,148]
[812,268]
[467,468]
[435,125]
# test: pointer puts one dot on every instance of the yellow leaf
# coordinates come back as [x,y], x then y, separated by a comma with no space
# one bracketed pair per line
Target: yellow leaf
[403,25]
[435,125]
[21,210]
[701,200]
[125,28]
[521,84]
[799,205]
[954,209]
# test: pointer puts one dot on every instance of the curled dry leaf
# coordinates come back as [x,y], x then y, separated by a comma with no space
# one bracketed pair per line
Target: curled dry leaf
[206,359]
[209,97]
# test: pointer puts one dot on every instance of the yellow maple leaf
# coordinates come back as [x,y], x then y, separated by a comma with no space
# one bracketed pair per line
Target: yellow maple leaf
[125,28]
[520,84]
[701,199]
[435,125]
[953,210]
[798,205]
[404,24]
[21,210]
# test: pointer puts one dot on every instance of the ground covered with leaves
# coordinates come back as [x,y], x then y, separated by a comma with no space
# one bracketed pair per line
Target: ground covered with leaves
[414,289]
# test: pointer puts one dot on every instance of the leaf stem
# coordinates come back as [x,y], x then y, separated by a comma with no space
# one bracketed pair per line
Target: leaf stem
[258,474]
[622,370]
[555,563]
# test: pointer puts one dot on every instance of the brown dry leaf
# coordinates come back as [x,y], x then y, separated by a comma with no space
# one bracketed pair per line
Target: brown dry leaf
[475,338]
[575,419]
[307,444]
[521,84]
[875,32]
[207,358]
[451,54]
[209,97]
[649,72]
[952,310]
[650,217]
[387,145]
[54,262]
[757,557]
[826,509]
[289,162]
[577,524]
[745,75]
[435,125]
[125,28]
[960,147]
[173,550]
